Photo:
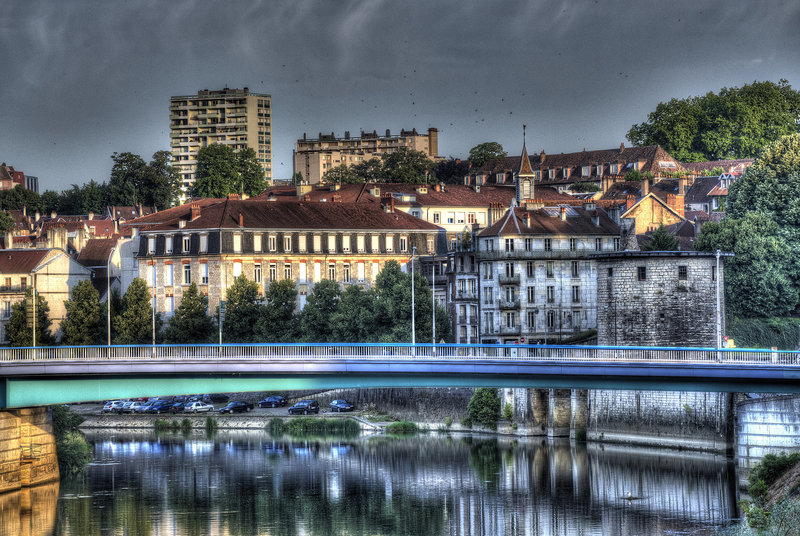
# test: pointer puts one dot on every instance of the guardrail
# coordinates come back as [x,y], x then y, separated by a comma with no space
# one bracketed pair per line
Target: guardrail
[399,351]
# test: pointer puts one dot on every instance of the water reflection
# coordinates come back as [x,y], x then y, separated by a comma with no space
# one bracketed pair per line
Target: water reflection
[29,511]
[248,483]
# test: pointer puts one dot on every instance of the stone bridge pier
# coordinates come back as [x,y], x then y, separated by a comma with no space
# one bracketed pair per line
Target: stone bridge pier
[548,412]
[27,448]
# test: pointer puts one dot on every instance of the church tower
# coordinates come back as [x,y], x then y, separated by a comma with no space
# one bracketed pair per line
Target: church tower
[523,178]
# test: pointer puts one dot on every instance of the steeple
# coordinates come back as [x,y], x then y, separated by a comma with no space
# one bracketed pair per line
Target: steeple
[524,178]
[525,169]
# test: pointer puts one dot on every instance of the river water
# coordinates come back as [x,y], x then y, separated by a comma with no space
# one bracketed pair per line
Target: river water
[247,483]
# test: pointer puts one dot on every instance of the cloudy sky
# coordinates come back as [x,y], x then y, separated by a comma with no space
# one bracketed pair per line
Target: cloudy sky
[81,80]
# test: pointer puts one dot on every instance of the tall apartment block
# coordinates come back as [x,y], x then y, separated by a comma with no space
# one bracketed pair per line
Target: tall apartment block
[313,157]
[234,117]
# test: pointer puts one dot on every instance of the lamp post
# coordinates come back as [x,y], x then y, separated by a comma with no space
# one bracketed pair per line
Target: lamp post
[719,319]
[33,322]
[108,292]
[413,323]
[153,308]
[433,302]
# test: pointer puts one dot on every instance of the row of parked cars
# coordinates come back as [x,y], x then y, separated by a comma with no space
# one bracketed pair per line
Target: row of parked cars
[201,404]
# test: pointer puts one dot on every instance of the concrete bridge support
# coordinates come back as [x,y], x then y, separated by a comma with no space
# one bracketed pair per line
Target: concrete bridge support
[559,412]
[27,448]
[580,414]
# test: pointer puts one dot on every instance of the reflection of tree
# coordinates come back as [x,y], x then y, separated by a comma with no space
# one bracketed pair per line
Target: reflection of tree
[484,457]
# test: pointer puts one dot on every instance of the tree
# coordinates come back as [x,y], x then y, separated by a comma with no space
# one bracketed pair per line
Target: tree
[134,324]
[251,174]
[18,332]
[315,319]
[452,171]
[18,197]
[278,322]
[297,178]
[125,187]
[482,153]
[407,165]
[662,240]
[355,317]
[242,311]
[370,170]
[190,323]
[161,182]
[6,223]
[342,174]
[50,200]
[82,325]
[484,407]
[736,123]
[221,171]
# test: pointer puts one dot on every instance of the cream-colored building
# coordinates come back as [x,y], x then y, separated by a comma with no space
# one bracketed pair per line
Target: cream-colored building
[313,157]
[234,117]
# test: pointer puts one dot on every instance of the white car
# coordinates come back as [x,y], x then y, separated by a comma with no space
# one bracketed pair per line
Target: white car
[197,407]
[113,405]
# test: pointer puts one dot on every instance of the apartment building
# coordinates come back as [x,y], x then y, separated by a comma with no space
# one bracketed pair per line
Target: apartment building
[214,241]
[314,157]
[234,117]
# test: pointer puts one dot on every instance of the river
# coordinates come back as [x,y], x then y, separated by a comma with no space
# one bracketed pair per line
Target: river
[247,483]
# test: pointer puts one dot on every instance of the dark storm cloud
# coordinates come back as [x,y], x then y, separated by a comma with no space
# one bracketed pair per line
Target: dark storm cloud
[84,79]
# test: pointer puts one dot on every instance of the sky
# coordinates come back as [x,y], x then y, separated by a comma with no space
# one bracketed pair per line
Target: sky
[84,79]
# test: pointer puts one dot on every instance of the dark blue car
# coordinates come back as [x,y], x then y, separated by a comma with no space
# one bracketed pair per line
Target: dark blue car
[272,402]
[341,405]
[162,406]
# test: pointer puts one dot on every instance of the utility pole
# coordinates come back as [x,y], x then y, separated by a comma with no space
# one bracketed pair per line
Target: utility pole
[413,323]
[719,317]
[433,301]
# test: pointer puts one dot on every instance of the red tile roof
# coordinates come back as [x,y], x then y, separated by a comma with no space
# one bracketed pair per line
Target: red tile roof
[548,221]
[96,251]
[20,261]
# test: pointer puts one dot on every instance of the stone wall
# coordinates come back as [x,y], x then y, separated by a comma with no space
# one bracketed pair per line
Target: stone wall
[27,448]
[766,425]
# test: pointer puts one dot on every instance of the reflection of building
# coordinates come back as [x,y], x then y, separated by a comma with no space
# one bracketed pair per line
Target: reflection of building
[314,157]
[233,117]
[51,271]
[213,241]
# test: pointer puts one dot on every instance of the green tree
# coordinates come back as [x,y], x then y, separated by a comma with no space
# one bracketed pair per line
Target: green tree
[50,200]
[161,182]
[82,325]
[251,174]
[370,170]
[19,333]
[484,407]
[321,305]
[190,323]
[354,319]
[242,311]
[221,171]
[297,178]
[452,171]
[278,322]
[736,123]
[134,323]
[125,187]
[407,165]
[342,174]
[6,223]
[662,240]
[482,153]
[18,197]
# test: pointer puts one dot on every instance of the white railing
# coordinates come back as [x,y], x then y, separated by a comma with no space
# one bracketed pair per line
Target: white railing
[389,352]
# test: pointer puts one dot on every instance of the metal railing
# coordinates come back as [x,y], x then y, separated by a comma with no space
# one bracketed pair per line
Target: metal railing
[399,351]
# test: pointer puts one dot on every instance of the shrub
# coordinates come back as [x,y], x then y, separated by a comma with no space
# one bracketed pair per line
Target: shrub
[74,452]
[211,424]
[276,427]
[161,425]
[318,426]
[448,422]
[65,420]
[186,425]
[402,428]
[508,413]
[484,407]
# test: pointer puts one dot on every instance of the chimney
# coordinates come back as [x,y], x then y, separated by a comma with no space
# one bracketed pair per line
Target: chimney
[589,205]
[53,214]
[477,188]
[91,215]
[563,213]
[437,187]
[195,207]
[596,218]
[682,186]
[630,200]
[303,189]
[337,198]
[24,210]
[387,201]
[233,197]
[375,192]
[622,147]
[37,216]
[645,186]
[347,134]
[541,157]
[388,133]
[241,220]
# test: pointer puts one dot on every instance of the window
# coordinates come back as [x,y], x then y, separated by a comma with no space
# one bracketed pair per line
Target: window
[531,294]
[273,272]
[331,243]
[168,245]
[318,243]
[511,294]
[576,294]
[287,244]
[187,243]
[551,173]
[509,269]
[346,243]
[551,294]
[436,217]
[257,273]
[573,244]
[713,273]
[487,271]
[151,275]
[287,271]
[168,281]
[511,319]
[332,272]
[431,246]
[613,169]
[23,282]
[683,273]
[616,244]
[529,267]
[550,269]
[204,274]
[187,274]
[389,243]
[528,244]
[470,217]
[237,269]
[301,243]
[551,320]
[610,272]
[487,296]
[489,242]
[450,217]
[509,244]
[598,244]
[203,243]
[346,273]
[531,319]
[565,172]
[257,243]
[7,309]
[548,244]
[575,269]
[237,242]
[272,242]
[488,320]
[151,245]
[598,170]
[642,273]
[586,171]
[403,243]
[169,305]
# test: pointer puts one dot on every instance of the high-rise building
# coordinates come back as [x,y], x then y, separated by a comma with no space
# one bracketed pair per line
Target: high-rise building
[234,117]
[314,157]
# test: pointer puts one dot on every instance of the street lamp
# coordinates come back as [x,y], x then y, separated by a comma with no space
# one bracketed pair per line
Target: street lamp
[108,292]
[153,308]
[413,323]
[433,301]
[719,319]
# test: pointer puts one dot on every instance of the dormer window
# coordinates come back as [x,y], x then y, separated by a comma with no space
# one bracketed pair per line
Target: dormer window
[168,245]
[187,243]
[598,170]
[551,173]
[537,175]
[614,169]
[151,245]
[565,172]
[586,171]
[501,178]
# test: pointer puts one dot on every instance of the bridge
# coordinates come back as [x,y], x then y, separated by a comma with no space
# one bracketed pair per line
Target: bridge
[40,376]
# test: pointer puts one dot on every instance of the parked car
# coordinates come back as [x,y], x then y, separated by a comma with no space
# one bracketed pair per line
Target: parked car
[272,402]
[130,407]
[237,406]
[177,407]
[197,407]
[341,405]
[160,406]
[112,406]
[144,407]
[216,397]
[304,407]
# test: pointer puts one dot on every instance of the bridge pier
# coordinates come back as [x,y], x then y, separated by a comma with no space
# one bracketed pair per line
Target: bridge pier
[560,412]
[580,411]
[27,448]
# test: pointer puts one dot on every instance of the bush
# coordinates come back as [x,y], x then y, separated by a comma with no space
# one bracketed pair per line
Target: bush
[303,426]
[781,333]
[211,424]
[74,452]
[64,421]
[402,428]
[186,425]
[508,413]
[772,467]
[448,422]
[161,425]
[484,407]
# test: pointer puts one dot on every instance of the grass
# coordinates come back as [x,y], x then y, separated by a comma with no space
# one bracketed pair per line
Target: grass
[402,428]
[304,426]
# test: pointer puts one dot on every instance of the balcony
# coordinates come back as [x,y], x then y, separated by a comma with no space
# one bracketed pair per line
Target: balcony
[13,289]
[509,279]
[535,254]
[510,330]
[502,303]
[468,295]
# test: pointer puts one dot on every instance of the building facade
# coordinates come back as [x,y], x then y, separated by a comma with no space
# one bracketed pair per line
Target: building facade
[314,157]
[234,117]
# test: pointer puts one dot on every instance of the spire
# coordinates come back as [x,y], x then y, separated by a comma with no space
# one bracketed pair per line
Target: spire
[524,163]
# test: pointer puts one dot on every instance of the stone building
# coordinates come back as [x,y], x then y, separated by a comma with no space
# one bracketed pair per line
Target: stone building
[659,298]
[213,241]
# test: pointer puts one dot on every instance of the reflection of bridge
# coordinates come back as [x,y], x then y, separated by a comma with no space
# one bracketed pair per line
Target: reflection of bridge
[49,375]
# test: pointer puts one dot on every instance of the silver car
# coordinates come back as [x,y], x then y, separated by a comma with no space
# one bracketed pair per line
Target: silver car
[197,407]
